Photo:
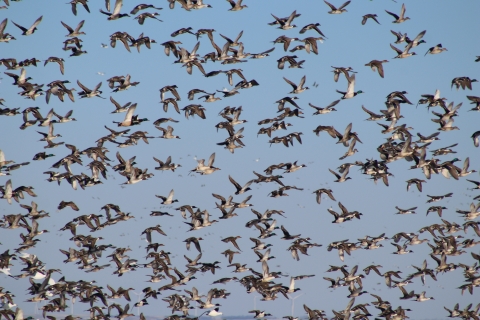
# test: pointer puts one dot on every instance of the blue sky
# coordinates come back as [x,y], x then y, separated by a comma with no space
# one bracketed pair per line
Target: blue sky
[349,44]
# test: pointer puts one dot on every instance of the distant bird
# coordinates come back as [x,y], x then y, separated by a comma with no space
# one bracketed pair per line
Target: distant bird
[287,235]
[195,241]
[400,36]
[429,138]
[143,7]
[76,32]
[41,156]
[311,44]
[325,110]
[233,43]
[416,182]
[405,211]
[401,250]
[141,17]
[130,119]
[5,37]
[369,16]
[401,18]
[476,138]
[438,198]
[64,204]
[82,2]
[148,232]
[167,133]
[350,93]
[8,192]
[421,297]
[118,107]
[405,53]
[436,50]
[168,199]
[297,88]
[339,70]
[319,193]
[75,51]
[259,314]
[166,89]
[233,241]
[437,209]
[116,11]
[377,65]
[334,9]
[239,188]
[31,30]
[60,62]
[167,165]
[417,40]
[87,93]
[236,6]
[215,312]
[341,178]
[262,54]
[312,26]
[287,24]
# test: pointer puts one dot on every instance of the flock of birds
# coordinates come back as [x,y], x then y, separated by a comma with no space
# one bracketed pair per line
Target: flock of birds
[108,298]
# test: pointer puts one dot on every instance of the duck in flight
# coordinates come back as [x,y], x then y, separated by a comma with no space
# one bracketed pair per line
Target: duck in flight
[401,18]
[340,9]
[297,88]
[31,30]
[116,11]
[350,93]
